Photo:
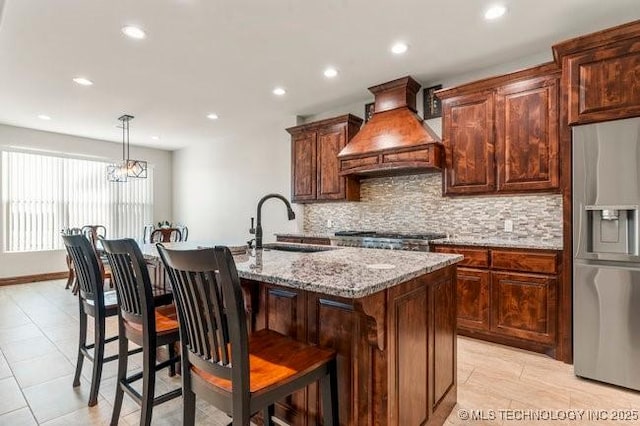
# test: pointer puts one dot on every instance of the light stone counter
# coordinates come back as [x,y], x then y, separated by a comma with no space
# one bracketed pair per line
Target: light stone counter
[345,272]
[524,243]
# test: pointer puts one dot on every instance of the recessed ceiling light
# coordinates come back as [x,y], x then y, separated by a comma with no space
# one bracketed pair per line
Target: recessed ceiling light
[212,116]
[399,48]
[44,117]
[155,138]
[330,72]
[494,12]
[134,32]
[279,91]
[83,81]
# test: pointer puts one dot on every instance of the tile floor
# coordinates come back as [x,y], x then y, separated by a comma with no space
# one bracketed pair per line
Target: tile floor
[38,343]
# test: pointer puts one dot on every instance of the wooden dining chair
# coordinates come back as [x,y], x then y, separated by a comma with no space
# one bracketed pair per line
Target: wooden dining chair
[143,323]
[166,235]
[240,374]
[94,302]
[184,231]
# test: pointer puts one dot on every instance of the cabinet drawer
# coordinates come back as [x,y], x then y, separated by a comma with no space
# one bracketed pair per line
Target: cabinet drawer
[317,241]
[288,239]
[359,162]
[526,261]
[477,257]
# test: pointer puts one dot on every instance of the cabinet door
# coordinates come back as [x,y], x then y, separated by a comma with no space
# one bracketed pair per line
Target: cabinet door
[524,306]
[604,83]
[473,299]
[468,140]
[527,135]
[303,163]
[331,140]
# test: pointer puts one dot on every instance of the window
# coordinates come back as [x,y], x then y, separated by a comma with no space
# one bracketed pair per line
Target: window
[42,194]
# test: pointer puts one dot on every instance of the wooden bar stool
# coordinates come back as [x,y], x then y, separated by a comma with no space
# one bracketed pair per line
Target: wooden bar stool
[266,367]
[140,321]
[93,302]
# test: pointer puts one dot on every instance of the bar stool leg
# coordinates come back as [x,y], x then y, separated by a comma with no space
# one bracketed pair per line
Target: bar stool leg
[267,414]
[189,408]
[82,343]
[148,383]
[98,359]
[123,358]
[329,389]
[172,354]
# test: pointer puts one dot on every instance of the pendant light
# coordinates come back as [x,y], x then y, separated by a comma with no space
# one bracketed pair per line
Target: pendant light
[127,168]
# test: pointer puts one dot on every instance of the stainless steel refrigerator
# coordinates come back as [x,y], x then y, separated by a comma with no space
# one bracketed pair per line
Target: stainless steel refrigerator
[606,271]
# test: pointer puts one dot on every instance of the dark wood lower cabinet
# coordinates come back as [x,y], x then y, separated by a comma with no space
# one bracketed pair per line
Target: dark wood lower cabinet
[396,348]
[524,306]
[473,298]
[508,296]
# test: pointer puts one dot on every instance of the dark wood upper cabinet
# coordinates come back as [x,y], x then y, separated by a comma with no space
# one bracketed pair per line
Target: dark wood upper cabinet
[602,73]
[501,134]
[469,144]
[527,135]
[315,168]
[303,166]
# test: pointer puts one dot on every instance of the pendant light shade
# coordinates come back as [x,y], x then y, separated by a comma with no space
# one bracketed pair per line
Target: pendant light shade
[127,168]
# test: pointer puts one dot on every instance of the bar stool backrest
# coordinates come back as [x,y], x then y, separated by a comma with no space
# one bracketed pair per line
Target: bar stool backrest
[133,284]
[86,267]
[211,313]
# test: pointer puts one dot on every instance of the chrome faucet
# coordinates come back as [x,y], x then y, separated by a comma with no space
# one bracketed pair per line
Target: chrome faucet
[258,229]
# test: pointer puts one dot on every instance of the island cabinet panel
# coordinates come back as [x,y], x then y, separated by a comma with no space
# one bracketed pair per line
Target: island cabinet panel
[473,298]
[527,135]
[444,340]
[331,323]
[410,345]
[315,168]
[511,299]
[303,165]
[396,348]
[524,306]
[284,310]
[469,144]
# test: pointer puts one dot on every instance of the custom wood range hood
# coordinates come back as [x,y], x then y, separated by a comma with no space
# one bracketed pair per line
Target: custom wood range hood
[395,141]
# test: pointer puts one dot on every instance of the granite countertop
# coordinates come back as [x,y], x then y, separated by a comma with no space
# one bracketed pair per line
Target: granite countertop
[346,272]
[525,243]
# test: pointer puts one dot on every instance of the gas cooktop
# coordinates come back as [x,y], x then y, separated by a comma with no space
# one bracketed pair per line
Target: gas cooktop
[386,240]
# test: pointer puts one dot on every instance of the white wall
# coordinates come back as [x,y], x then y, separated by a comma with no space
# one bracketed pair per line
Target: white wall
[217,186]
[17,264]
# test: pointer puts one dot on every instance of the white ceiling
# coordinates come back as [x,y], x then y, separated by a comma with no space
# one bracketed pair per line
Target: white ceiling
[205,56]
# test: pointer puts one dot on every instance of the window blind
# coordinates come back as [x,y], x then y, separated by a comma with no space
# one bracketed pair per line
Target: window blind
[43,194]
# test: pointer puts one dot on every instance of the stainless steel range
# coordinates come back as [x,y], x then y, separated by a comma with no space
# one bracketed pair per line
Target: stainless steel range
[386,240]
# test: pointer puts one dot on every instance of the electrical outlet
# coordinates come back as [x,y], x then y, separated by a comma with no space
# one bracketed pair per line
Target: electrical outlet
[329,223]
[508,225]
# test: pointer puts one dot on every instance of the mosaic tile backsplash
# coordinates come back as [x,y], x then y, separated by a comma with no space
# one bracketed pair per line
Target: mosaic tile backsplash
[415,204]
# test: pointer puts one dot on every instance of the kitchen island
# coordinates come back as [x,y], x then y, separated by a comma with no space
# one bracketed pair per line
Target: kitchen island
[390,315]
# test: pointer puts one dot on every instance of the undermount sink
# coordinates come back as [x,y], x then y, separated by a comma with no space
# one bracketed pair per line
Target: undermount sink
[298,248]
